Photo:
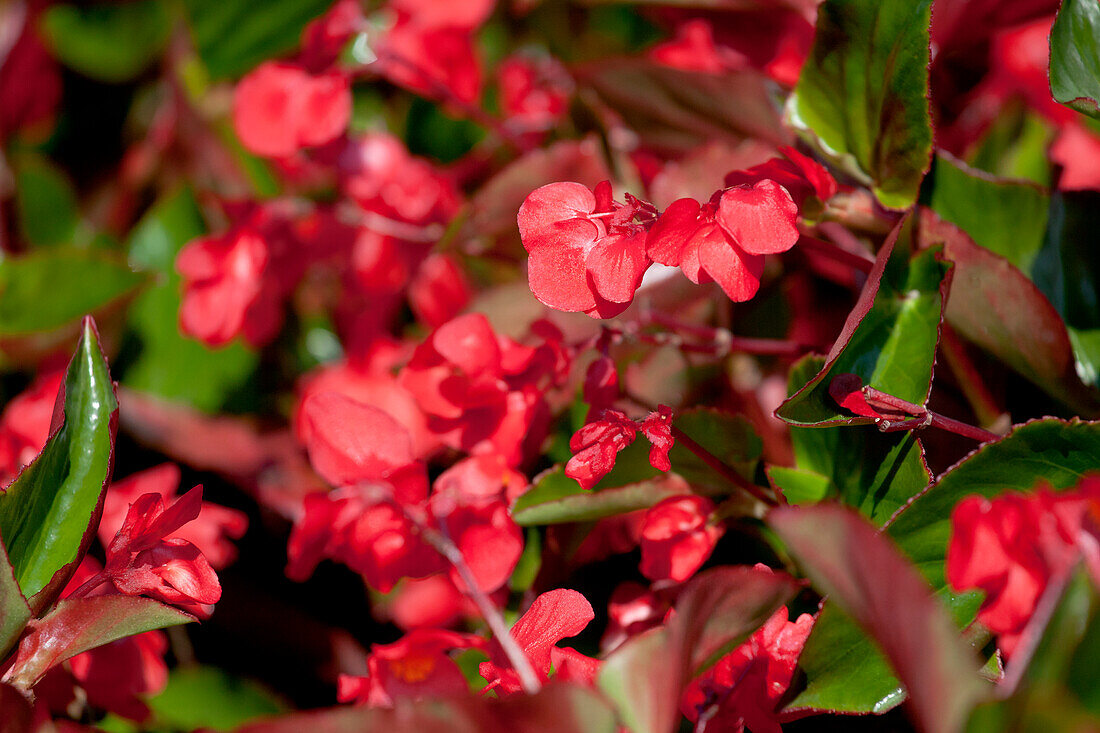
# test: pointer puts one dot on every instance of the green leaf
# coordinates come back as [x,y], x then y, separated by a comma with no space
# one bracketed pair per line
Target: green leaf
[232,37]
[1075,56]
[77,281]
[111,42]
[49,513]
[862,572]
[555,498]
[14,611]
[862,97]
[874,472]
[889,340]
[212,699]
[844,670]
[78,624]
[1005,217]
[717,610]
[530,562]
[45,201]
[995,306]
[170,365]
[800,485]
[1068,272]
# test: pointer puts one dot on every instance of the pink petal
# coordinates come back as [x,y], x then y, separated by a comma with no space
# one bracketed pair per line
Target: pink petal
[761,219]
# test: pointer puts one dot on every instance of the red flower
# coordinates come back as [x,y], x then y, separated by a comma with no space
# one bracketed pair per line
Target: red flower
[368,382]
[553,616]
[657,428]
[482,392]
[725,239]
[633,608]
[742,690]
[429,602]
[414,667]
[677,537]
[534,91]
[351,443]
[371,535]
[439,291]
[596,445]
[211,531]
[601,384]
[224,292]
[481,479]
[324,39]
[801,175]
[436,61]
[140,561]
[1010,547]
[30,82]
[490,542]
[116,675]
[25,424]
[279,108]
[694,49]
[585,252]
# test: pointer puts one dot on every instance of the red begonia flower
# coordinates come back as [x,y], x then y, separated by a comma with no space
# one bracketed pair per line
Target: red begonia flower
[117,675]
[632,609]
[677,537]
[601,384]
[483,393]
[693,49]
[414,667]
[444,14]
[30,80]
[325,38]
[378,172]
[279,108]
[439,291]
[490,542]
[1010,547]
[372,536]
[430,602]
[369,384]
[596,445]
[801,175]
[762,219]
[847,391]
[224,290]
[141,561]
[743,688]
[554,615]
[689,236]
[585,252]
[210,532]
[25,424]
[657,428]
[534,91]
[481,479]
[350,443]
[436,61]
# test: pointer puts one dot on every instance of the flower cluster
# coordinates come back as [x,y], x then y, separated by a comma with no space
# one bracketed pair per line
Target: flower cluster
[588,252]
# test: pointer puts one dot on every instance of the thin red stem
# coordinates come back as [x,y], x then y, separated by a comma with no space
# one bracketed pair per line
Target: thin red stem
[925,417]
[722,468]
[88,586]
[442,542]
[970,379]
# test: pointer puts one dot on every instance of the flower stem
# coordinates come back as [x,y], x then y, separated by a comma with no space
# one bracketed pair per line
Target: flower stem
[923,417]
[442,542]
[970,380]
[717,341]
[722,468]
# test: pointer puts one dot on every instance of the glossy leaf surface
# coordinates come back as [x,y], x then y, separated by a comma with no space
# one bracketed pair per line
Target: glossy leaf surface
[49,513]
[862,97]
